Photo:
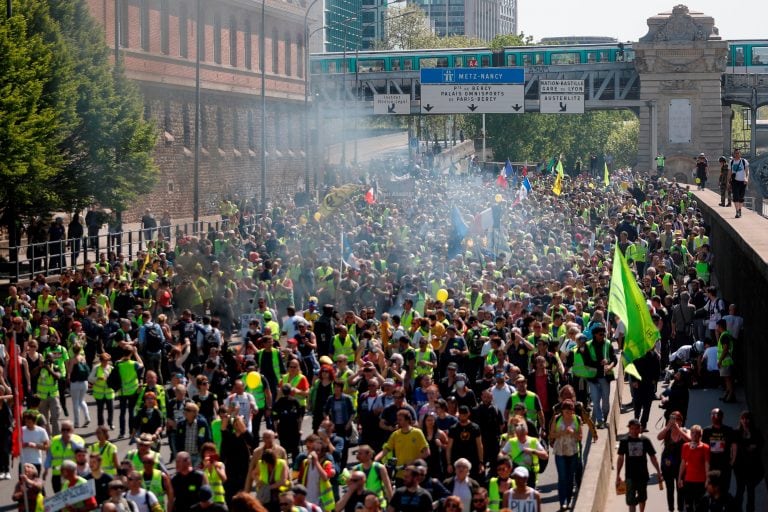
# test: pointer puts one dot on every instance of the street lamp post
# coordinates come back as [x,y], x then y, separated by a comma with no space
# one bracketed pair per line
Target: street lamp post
[307,82]
[345,65]
[198,144]
[263,64]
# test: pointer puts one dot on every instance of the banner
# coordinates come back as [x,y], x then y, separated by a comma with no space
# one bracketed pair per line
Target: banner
[338,197]
[628,303]
[70,496]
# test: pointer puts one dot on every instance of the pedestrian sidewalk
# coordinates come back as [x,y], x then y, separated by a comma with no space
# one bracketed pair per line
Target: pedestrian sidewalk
[702,401]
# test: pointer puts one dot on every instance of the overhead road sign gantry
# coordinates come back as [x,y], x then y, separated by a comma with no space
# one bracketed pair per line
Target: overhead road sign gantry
[561,96]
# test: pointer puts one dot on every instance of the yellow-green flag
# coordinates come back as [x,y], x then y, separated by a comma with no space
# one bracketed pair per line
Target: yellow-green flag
[606,178]
[628,303]
[557,188]
[560,171]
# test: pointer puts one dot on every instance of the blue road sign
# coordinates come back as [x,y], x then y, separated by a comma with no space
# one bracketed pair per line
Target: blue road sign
[473,76]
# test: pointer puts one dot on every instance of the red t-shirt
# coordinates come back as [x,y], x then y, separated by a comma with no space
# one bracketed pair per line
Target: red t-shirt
[695,471]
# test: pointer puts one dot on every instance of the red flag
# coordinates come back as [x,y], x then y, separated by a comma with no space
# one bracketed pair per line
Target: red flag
[18,396]
[502,181]
[525,170]
[370,196]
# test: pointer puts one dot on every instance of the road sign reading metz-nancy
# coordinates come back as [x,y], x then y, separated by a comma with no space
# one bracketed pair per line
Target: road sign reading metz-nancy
[472,90]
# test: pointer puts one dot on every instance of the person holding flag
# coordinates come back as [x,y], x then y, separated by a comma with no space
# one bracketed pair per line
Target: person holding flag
[557,188]
[606,176]
[599,361]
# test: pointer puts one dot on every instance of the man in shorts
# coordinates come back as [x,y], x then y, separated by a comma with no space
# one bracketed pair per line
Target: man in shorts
[636,448]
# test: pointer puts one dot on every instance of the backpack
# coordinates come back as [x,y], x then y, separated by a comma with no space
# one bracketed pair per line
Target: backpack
[80,372]
[114,380]
[210,340]
[153,339]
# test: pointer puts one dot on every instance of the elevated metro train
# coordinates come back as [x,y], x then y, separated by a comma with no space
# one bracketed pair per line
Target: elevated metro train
[743,57]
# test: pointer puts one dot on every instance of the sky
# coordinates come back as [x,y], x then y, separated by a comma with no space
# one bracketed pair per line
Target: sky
[627,20]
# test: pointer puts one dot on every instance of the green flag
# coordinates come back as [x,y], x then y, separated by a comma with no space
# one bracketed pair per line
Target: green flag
[606,178]
[627,302]
[560,170]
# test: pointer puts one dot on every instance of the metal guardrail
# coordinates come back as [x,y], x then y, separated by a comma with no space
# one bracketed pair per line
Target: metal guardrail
[52,257]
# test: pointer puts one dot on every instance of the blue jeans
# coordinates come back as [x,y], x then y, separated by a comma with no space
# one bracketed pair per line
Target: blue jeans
[566,472]
[600,392]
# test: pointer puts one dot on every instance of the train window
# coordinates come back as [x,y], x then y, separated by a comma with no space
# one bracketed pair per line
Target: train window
[427,62]
[317,67]
[739,59]
[604,56]
[370,65]
[442,62]
[526,59]
[458,61]
[395,63]
[511,59]
[471,61]
[331,66]
[565,58]
[407,64]
[485,60]
[538,59]
[759,56]
[591,57]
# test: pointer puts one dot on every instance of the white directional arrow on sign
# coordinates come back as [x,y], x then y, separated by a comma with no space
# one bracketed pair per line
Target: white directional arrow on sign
[472,98]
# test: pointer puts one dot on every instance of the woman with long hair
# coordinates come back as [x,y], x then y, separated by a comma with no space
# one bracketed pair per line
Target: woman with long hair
[674,436]
[214,470]
[437,441]
[77,375]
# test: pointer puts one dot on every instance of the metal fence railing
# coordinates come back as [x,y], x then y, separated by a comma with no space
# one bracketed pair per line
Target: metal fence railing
[51,257]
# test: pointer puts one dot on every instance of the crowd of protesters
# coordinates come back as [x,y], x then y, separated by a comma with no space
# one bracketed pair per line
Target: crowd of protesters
[458,364]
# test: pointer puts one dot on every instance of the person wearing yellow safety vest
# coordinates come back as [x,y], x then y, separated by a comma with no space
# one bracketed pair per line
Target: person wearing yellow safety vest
[342,343]
[600,357]
[69,479]
[143,451]
[565,436]
[376,476]
[499,484]
[259,388]
[130,371]
[214,471]
[534,411]
[60,357]
[408,316]
[62,448]
[102,393]
[525,451]
[144,499]
[725,358]
[48,392]
[425,360]
[320,466]
[108,451]
[270,362]
[154,480]
[475,296]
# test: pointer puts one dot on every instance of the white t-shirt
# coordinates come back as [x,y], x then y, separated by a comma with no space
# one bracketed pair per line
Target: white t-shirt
[246,403]
[738,167]
[144,499]
[710,356]
[501,397]
[38,436]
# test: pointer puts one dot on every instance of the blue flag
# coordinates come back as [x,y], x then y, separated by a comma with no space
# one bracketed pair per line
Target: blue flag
[459,232]
[508,170]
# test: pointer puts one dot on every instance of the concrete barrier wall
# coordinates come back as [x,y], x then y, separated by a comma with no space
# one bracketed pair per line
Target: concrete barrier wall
[596,484]
[740,271]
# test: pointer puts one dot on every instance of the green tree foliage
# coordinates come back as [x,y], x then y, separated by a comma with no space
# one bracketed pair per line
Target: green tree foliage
[407,28]
[77,119]
[535,137]
[36,115]
[504,40]
[622,143]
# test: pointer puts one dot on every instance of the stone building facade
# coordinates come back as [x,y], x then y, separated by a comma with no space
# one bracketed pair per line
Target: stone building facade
[158,41]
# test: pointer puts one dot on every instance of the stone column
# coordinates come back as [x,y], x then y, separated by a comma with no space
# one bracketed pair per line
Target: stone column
[680,62]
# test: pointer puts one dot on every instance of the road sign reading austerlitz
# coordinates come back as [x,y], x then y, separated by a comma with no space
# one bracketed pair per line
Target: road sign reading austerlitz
[392,104]
[561,96]
[472,76]
[475,98]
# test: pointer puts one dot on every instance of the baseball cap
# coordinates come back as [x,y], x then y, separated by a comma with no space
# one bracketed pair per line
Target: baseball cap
[520,471]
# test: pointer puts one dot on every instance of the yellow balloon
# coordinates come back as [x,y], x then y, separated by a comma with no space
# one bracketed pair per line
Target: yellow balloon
[442,295]
[252,380]
[318,216]
[498,198]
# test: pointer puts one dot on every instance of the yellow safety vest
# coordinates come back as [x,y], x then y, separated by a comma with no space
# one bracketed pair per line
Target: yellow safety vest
[155,485]
[60,452]
[494,498]
[345,348]
[425,355]
[101,390]
[327,501]
[579,369]
[530,405]
[516,450]
[47,385]
[107,452]
[128,378]
[217,486]
[294,382]
[258,390]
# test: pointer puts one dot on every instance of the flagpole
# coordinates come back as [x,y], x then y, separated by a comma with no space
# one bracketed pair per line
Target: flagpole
[16,380]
